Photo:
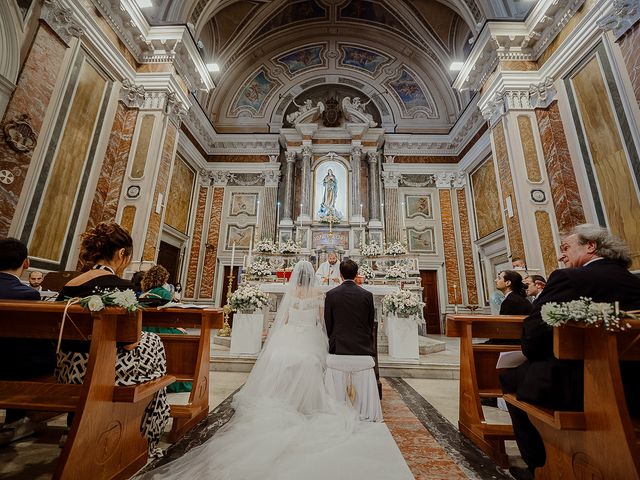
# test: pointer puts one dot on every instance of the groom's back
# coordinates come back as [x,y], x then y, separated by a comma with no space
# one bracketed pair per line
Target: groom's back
[349,316]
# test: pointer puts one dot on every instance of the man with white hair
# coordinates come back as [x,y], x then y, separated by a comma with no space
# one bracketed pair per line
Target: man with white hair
[597,268]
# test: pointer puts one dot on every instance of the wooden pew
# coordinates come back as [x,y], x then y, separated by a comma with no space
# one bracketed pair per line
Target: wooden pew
[105,440]
[479,377]
[600,441]
[188,358]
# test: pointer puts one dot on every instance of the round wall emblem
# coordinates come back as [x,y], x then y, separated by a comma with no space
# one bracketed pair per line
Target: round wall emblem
[538,196]
[133,191]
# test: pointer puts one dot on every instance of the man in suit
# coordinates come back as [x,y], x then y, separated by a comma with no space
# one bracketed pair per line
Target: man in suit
[19,359]
[515,302]
[534,285]
[597,268]
[349,316]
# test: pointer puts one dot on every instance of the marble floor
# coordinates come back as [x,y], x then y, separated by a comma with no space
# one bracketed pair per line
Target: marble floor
[421,414]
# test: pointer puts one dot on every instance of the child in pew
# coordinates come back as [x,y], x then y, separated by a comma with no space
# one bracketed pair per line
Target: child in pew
[154,294]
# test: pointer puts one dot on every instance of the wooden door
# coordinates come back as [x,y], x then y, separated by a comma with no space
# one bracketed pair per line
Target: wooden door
[169,258]
[430,298]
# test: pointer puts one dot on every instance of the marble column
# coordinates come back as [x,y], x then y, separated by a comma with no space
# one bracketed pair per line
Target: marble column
[356,156]
[451,266]
[287,208]
[392,208]
[305,197]
[268,209]
[467,244]
[195,251]
[374,189]
[207,278]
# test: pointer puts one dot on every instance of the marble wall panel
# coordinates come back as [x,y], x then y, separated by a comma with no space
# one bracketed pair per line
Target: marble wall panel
[268,214]
[31,96]
[547,244]
[109,187]
[58,200]
[486,199]
[615,180]
[529,148]
[467,248]
[142,145]
[562,178]
[128,217]
[630,47]
[516,245]
[179,199]
[154,226]
[213,237]
[196,243]
[364,188]
[450,248]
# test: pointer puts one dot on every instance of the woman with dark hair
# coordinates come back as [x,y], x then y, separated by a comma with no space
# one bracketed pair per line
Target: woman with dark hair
[106,251]
[515,302]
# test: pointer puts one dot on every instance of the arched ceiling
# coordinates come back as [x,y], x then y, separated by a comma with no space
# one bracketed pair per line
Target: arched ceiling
[397,53]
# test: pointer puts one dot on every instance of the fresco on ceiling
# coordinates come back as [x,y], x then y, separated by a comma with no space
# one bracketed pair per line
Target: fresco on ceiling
[414,99]
[362,59]
[293,12]
[302,59]
[366,11]
[254,93]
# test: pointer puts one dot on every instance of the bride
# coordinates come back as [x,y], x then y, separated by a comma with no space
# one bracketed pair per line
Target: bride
[285,425]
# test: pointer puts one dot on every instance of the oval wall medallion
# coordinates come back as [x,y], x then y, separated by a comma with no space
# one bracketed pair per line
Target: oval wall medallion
[20,135]
[6,177]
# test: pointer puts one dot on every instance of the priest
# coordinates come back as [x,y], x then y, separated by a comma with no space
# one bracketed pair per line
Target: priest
[328,272]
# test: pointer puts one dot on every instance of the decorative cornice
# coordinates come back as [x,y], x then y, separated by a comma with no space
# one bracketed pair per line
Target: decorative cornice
[455,179]
[542,94]
[624,14]
[61,20]
[228,144]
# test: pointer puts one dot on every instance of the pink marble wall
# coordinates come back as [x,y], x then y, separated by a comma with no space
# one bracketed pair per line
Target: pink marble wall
[32,96]
[105,201]
[630,46]
[562,178]
[196,242]
[467,250]
[155,219]
[213,236]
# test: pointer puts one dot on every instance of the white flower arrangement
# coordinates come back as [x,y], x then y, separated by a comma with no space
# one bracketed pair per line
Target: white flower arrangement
[395,248]
[371,249]
[366,271]
[289,247]
[397,271]
[402,303]
[259,268]
[115,298]
[266,246]
[586,311]
[248,297]
[332,216]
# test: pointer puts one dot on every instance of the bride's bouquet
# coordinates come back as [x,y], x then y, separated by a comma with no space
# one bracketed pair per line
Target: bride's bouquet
[259,268]
[266,246]
[395,248]
[402,303]
[397,271]
[248,297]
[586,311]
[290,247]
[371,249]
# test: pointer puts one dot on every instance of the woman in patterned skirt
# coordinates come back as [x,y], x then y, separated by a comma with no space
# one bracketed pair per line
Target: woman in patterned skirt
[106,252]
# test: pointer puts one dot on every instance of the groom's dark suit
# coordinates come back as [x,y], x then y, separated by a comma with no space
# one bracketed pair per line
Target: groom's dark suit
[349,316]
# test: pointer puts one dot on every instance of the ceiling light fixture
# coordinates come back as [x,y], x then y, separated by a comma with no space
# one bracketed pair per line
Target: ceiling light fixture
[213,67]
[456,66]
[144,3]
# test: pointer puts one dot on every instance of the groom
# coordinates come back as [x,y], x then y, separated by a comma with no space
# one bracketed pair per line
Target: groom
[349,316]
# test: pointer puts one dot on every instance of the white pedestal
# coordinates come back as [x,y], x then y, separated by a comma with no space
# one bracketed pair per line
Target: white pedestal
[403,337]
[246,334]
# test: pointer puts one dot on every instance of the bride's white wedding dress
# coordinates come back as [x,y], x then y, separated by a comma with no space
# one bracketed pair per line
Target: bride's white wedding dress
[286,426]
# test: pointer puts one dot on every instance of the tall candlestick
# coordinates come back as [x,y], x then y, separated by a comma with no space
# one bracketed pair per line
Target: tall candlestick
[455,298]
[244,261]
[382,221]
[277,220]
[233,254]
[250,248]
[361,216]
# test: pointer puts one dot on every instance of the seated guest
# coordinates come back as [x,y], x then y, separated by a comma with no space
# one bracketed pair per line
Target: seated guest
[136,279]
[534,285]
[515,302]
[177,294]
[597,268]
[106,250]
[20,359]
[35,279]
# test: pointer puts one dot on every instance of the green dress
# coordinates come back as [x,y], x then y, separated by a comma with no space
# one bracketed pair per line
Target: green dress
[160,293]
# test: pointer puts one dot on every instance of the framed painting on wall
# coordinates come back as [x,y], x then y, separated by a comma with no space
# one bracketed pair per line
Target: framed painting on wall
[240,235]
[243,203]
[418,205]
[421,241]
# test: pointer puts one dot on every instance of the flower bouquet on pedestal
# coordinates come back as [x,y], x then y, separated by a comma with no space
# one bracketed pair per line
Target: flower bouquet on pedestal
[248,298]
[266,246]
[397,271]
[366,271]
[395,248]
[289,247]
[259,268]
[371,249]
[403,303]
[585,310]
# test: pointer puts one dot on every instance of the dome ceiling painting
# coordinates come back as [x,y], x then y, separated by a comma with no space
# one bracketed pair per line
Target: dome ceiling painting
[394,55]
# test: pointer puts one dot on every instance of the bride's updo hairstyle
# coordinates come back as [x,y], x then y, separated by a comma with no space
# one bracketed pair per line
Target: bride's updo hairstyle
[102,242]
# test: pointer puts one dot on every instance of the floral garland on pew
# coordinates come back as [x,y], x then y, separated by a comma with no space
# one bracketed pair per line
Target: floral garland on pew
[585,310]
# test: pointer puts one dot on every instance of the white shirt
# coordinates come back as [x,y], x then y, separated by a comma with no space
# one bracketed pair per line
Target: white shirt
[328,274]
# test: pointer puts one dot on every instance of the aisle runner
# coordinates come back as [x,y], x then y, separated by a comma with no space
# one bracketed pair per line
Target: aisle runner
[425,457]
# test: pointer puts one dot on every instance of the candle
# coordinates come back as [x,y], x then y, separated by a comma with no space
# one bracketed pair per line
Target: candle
[455,298]
[277,219]
[382,220]
[233,255]
[404,225]
[250,248]
[361,216]
[244,261]
[257,215]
